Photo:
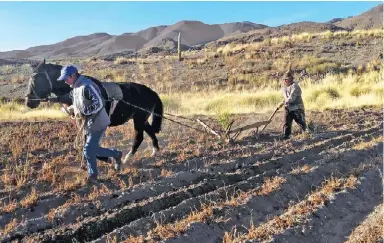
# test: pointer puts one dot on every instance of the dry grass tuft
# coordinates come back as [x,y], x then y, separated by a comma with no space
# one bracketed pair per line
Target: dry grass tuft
[171,230]
[301,170]
[133,239]
[30,200]
[10,226]
[365,145]
[166,173]
[165,231]
[297,213]
[371,229]
[97,192]
[51,215]
[9,207]
[271,185]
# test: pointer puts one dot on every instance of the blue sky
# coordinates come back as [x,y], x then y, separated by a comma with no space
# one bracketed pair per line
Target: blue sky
[27,24]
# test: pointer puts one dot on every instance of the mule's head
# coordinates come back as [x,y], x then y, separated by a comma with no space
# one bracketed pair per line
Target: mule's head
[43,82]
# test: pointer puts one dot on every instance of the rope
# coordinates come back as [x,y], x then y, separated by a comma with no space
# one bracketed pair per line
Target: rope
[46,99]
[80,123]
[151,112]
[79,142]
[186,118]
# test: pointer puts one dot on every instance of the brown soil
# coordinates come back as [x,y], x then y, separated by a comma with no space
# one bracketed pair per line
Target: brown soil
[193,170]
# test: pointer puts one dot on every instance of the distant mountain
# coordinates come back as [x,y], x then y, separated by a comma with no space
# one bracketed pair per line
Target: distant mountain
[306,26]
[371,19]
[99,44]
[152,32]
[192,33]
[196,32]
[283,30]
[335,20]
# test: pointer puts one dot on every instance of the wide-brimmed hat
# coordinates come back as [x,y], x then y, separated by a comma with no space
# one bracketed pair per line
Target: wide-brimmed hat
[288,75]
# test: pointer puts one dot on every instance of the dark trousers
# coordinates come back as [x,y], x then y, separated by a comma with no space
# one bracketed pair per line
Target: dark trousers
[289,116]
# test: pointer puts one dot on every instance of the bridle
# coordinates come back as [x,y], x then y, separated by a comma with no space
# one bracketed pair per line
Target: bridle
[50,91]
[34,91]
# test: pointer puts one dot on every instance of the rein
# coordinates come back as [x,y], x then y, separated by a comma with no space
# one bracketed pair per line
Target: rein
[80,122]
[49,94]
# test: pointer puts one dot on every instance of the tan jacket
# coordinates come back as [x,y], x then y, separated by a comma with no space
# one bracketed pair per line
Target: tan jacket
[292,97]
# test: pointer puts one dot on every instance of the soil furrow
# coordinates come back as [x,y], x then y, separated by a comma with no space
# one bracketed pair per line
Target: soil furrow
[257,170]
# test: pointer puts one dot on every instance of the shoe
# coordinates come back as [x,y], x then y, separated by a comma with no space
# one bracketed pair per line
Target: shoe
[117,161]
[285,137]
[308,131]
[92,180]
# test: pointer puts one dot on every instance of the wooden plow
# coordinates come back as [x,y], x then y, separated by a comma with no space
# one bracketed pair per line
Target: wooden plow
[230,134]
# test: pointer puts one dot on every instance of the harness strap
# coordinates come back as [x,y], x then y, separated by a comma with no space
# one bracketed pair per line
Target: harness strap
[112,108]
[49,80]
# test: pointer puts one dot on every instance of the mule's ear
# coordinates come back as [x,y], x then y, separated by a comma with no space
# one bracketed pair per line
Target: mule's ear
[34,64]
[39,65]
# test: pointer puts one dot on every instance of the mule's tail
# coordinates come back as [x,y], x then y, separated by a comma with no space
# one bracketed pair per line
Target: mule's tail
[157,120]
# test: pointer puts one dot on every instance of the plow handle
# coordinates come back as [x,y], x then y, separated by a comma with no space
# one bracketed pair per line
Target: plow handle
[273,114]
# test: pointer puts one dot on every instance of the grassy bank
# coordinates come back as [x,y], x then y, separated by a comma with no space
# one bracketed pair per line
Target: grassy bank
[334,91]
[15,111]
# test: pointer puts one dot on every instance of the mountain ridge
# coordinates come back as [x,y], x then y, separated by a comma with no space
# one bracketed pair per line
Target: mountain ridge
[193,33]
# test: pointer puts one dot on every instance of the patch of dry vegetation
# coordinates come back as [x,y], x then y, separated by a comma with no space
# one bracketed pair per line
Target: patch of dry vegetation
[14,111]
[171,230]
[270,185]
[371,229]
[166,173]
[365,145]
[97,192]
[333,92]
[289,41]
[30,200]
[302,170]
[295,214]
[10,226]
[9,207]
[166,231]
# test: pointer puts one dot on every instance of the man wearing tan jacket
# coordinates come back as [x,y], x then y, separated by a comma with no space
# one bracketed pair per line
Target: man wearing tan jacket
[293,104]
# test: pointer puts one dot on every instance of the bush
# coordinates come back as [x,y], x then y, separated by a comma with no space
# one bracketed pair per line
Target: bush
[224,119]
[323,94]
[358,90]
[322,68]
[260,101]
[217,106]
[171,104]
[121,60]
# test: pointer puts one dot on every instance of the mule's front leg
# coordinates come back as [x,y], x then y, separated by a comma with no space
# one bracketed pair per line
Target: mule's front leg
[138,139]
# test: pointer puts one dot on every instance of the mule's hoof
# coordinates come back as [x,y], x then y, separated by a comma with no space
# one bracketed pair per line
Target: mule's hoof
[136,165]
[127,157]
[155,152]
